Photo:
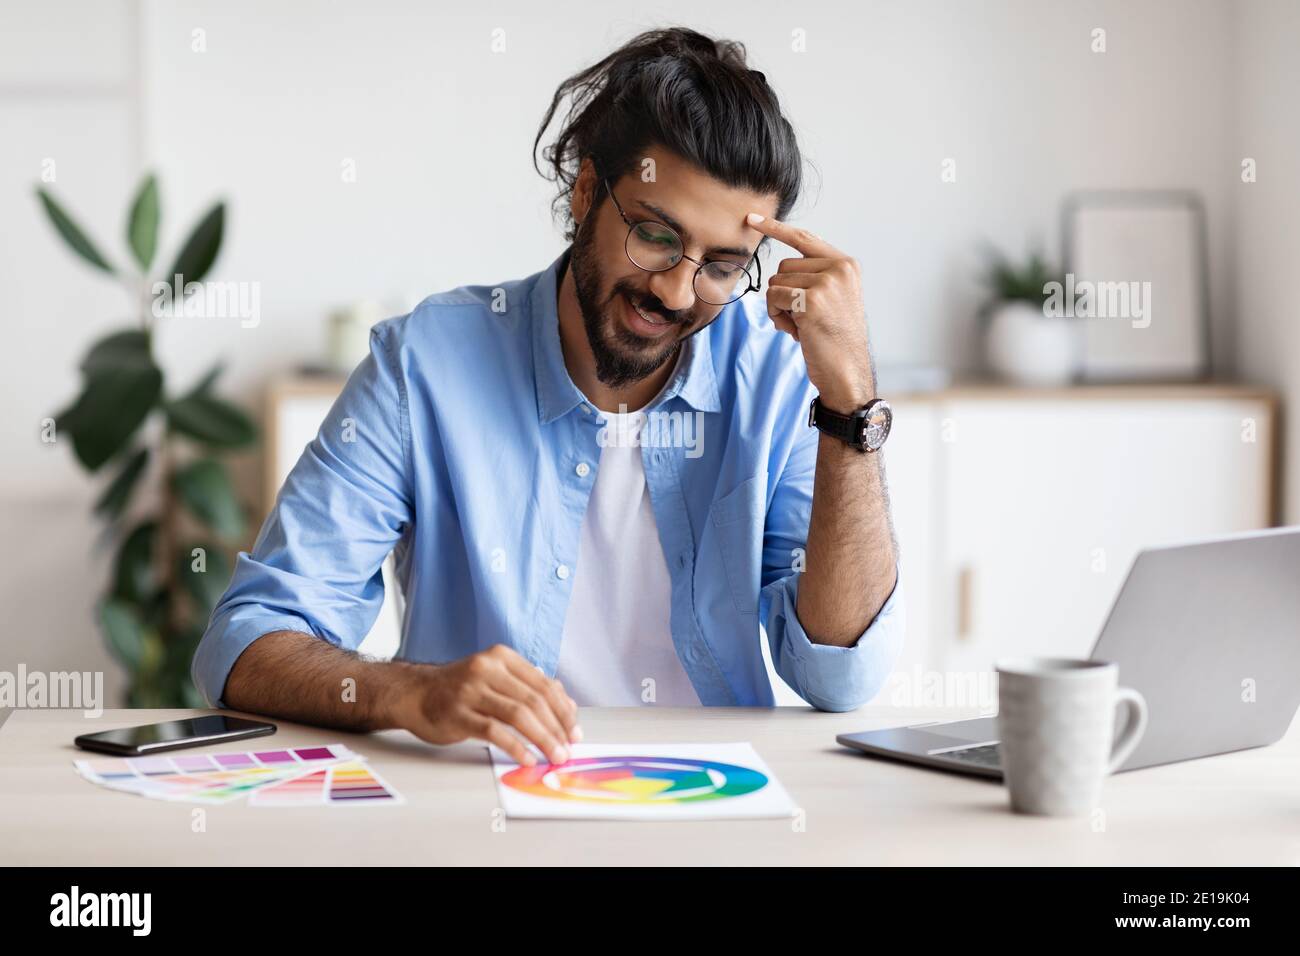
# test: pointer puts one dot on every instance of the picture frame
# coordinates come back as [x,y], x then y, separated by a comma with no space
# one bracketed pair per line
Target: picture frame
[1137,279]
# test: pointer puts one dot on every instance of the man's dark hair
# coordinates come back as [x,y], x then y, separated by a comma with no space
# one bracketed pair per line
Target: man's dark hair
[681,90]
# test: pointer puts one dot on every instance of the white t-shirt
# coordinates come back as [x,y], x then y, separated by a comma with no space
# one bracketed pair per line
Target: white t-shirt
[616,630]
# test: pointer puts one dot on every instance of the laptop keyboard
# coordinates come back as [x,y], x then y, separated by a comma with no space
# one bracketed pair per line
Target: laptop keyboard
[985,756]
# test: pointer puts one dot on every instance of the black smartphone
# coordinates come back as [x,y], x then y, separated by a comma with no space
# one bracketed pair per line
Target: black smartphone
[173,735]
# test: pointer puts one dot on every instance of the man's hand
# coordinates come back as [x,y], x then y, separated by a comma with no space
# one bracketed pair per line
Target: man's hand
[495,695]
[817,299]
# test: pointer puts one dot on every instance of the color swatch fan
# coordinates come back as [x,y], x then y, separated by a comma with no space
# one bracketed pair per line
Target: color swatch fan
[322,775]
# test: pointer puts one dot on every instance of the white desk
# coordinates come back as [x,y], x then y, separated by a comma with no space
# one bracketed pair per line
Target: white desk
[1241,808]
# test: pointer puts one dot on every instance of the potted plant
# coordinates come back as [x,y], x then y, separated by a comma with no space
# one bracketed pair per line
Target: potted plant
[170,563]
[1024,341]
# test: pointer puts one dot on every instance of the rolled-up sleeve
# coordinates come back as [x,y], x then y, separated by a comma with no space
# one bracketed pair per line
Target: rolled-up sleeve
[316,565]
[831,677]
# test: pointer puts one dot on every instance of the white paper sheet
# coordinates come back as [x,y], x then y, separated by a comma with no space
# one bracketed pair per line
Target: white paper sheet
[724,781]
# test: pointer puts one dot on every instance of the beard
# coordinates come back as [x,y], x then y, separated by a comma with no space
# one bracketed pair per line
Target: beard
[622,357]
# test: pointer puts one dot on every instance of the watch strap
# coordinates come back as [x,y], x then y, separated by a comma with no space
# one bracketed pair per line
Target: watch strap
[846,428]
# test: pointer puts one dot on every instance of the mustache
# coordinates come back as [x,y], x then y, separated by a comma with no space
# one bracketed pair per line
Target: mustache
[652,305]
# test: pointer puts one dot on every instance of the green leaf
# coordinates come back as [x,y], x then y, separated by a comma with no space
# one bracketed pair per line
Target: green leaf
[208,380]
[126,349]
[111,407]
[205,489]
[211,421]
[115,497]
[142,227]
[123,631]
[1008,282]
[207,585]
[134,574]
[72,233]
[122,386]
[201,248]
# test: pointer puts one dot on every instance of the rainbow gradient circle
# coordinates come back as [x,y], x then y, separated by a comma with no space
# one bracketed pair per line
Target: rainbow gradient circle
[635,780]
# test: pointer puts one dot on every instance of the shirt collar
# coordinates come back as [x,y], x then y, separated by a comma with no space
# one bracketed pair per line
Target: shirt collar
[693,381]
[556,393]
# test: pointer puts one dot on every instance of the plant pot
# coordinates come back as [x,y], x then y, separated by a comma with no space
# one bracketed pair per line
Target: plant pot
[1025,347]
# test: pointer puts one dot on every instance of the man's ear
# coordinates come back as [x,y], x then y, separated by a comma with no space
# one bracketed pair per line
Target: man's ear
[584,190]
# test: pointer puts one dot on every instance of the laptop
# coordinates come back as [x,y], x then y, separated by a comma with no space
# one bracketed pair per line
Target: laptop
[1208,632]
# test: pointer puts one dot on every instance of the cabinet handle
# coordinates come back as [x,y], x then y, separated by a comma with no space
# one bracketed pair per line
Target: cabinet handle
[965,592]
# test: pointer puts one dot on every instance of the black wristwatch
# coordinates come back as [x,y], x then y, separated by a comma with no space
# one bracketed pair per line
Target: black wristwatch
[865,429]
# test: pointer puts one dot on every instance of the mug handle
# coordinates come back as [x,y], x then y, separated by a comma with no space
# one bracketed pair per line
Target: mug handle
[1134,726]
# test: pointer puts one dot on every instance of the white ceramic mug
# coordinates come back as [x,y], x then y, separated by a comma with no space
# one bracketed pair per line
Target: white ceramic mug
[1056,724]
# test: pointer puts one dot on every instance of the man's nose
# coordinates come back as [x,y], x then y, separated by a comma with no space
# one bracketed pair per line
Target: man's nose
[675,287]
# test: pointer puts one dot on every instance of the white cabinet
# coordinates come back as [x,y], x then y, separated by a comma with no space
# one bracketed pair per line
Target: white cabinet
[911,475]
[1027,508]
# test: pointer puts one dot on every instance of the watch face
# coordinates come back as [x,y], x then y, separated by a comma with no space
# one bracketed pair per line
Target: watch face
[875,427]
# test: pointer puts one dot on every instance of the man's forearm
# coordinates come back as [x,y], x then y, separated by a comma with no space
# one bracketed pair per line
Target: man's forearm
[816,298]
[850,568]
[298,677]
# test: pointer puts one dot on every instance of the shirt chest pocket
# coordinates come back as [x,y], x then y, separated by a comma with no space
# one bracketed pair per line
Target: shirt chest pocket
[736,526]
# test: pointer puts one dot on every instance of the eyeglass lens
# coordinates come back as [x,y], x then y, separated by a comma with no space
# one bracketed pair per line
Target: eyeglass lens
[654,247]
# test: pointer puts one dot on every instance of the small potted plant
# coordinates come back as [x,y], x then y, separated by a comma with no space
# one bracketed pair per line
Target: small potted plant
[1025,341]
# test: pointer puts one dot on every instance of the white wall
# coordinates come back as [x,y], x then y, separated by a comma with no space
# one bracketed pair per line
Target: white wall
[1268,218]
[69,95]
[440,129]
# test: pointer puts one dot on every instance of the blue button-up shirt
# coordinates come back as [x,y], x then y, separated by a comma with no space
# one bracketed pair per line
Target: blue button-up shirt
[456,445]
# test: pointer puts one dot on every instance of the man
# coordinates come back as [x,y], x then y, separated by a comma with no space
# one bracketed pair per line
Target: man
[555,548]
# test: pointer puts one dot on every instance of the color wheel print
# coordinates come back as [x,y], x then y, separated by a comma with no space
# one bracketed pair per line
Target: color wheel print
[625,780]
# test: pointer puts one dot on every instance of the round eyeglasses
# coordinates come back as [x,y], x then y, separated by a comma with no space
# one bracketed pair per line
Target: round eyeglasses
[652,246]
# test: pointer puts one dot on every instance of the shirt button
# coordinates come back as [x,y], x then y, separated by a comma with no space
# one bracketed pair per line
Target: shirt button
[583,469]
[562,572]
